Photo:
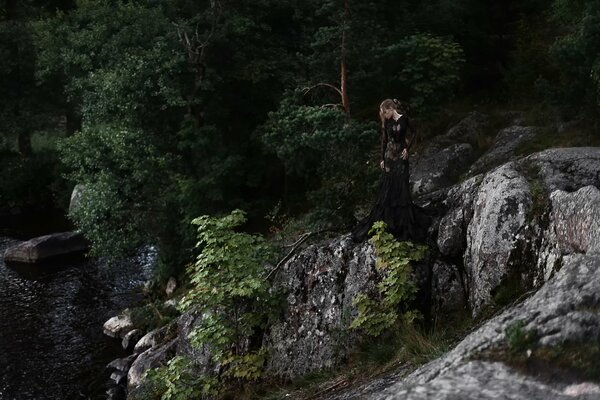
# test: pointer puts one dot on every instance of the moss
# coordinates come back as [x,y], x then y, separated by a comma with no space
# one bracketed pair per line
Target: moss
[518,338]
[569,362]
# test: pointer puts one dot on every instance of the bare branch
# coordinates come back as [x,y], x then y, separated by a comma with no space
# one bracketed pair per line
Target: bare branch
[308,89]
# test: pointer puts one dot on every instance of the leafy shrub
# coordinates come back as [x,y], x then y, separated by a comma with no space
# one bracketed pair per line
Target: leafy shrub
[330,157]
[230,290]
[393,258]
[427,65]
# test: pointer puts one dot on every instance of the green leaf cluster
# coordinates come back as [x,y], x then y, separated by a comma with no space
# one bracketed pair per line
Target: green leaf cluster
[179,379]
[328,154]
[393,260]
[231,292]
[430,66]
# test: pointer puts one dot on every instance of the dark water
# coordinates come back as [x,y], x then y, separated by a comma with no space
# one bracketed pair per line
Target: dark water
[51,340]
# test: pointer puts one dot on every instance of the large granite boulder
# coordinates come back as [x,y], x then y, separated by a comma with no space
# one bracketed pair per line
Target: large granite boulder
[567,168]
[504,224]
[46,247]
[320,283]
[437,168]
[503,148]
[499,214]
[447,156]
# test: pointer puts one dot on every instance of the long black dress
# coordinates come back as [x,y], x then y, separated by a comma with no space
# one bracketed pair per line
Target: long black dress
[405,220]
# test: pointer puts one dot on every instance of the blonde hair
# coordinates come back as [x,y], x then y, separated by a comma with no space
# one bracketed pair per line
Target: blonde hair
[391,104]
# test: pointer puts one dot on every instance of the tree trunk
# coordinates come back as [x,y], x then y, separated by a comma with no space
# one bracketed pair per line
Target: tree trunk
[343,78]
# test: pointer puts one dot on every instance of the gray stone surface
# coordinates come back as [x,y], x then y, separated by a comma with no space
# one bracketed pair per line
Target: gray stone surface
[321,281]
[131,338]
[452,230]
[121,364]
[202,357]
[500,210]
[44,247]
[564,310]
[447,289]
[155,337]
[469,129]
[154,357]
[118,326]
[567,168]
[503,148]
[439,167]
[576,220]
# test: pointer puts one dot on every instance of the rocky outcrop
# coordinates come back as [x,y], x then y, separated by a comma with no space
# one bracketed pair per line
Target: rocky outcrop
[562,201]
[439,167]
[499,214]
[46,247]
[504,224]
[503,148]
[533,220]
[447,156]
[563,311]
[151,358]
[320,283]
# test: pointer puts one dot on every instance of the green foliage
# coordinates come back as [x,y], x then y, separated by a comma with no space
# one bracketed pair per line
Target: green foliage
[518,338]
[230,290]
[397,286]
[120,171]
[177,380]
[574,83]
[429,66]
[329,155]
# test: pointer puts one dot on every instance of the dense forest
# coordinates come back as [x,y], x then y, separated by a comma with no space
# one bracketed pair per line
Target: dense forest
[167,110]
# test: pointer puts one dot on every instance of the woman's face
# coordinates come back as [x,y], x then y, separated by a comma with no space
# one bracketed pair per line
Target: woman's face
[387,113]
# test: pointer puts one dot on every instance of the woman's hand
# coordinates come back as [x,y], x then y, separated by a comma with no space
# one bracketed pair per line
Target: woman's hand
[381,164]
[404,154]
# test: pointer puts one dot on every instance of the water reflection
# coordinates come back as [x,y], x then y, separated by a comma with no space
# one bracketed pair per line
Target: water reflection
[51,340]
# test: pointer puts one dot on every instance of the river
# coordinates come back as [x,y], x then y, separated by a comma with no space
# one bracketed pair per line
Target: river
[51,340]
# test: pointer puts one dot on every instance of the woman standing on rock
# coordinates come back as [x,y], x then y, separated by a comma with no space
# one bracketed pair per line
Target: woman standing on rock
[394,206]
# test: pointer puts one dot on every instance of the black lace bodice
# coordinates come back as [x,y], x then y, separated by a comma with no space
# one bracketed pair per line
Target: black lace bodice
[394,140]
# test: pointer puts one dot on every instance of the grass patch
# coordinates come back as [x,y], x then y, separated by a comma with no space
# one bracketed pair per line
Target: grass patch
[405,348]
[568,362]
[151,315]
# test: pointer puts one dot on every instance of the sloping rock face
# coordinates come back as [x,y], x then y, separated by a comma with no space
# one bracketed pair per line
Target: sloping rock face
[561,312]
[504,146]
[320,283]
[499,214]
[564,311]
[447,156]
[45,247]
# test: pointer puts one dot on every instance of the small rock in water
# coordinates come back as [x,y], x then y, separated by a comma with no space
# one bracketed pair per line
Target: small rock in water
[118,326]
[131,338]
[119,377]
[121,364]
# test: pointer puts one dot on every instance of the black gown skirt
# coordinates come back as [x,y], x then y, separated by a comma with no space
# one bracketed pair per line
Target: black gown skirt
[404,219]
